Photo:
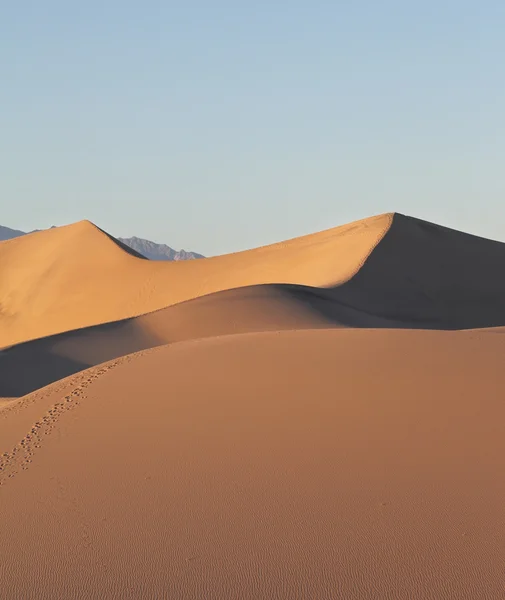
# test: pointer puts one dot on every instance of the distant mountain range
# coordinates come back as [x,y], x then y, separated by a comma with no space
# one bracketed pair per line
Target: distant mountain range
[155,251]
[149,249]
[6,233]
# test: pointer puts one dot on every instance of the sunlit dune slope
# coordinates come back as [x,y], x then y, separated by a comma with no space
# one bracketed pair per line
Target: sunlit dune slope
[356,464]
[76,276]
[386,271]
[31,365]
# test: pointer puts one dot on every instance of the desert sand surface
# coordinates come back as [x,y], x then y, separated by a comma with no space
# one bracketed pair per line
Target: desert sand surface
[394,272]
[77,276]
[385,271]
[318,419]
[342,463]
[273,307]
[422,275]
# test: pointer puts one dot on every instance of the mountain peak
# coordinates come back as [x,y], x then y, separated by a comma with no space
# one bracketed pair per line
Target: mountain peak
[155,251]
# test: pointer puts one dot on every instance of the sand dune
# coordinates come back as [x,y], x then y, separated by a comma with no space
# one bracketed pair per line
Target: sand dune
[389,270]
[77,276]
[322,464]
[419,275]
[427,276]
[34,364]
[273,423]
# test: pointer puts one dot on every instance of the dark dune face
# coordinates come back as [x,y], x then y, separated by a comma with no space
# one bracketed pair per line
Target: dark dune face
[427,276]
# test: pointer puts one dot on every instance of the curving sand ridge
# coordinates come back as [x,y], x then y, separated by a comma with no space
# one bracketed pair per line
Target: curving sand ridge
[387,271]
[34,364]
[77,276]
[355,464]
[418,275]
[26,367]
[423,275]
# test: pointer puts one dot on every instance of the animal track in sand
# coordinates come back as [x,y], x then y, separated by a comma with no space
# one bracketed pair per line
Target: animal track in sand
[21,456]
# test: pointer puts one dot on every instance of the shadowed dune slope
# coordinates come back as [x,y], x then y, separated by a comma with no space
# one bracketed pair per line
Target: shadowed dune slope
[423,275]
[77,276]
[34,364]
[357,464]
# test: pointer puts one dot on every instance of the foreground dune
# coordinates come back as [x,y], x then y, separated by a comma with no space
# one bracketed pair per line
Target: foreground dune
[322,464]
[77,276]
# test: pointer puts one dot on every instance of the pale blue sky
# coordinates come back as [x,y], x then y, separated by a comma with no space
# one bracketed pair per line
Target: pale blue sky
[221,125]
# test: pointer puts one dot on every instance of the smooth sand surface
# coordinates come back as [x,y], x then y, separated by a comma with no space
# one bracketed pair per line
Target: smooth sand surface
[31,365]
[386,271]
[343,463]
[274,424]
[422,275]
[77,276]
[416,275]
[34,364]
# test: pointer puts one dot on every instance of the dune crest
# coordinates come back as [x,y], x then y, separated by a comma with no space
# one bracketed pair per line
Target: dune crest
[423,275]
[77,276]
[390,271]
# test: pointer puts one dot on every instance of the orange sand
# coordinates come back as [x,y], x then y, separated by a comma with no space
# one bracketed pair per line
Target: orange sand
[76,276]
[311,464]
[255,442]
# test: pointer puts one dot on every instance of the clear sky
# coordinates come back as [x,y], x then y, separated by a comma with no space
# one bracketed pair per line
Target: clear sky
[221,125]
